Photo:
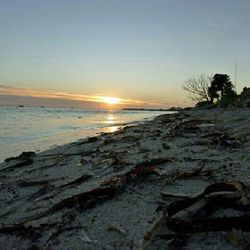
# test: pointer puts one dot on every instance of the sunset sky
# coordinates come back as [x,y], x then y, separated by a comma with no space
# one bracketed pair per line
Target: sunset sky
[78,52]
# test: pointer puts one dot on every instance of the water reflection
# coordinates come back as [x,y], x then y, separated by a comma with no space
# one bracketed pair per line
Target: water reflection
[110,119]
[113,129]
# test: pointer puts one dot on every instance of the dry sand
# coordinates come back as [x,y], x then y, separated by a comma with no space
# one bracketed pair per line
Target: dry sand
[117,190]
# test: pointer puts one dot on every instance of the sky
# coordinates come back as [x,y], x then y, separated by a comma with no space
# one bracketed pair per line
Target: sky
[141,51]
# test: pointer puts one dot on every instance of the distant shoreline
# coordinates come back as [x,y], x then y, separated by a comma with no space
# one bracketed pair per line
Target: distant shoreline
[146,109]
[115,109]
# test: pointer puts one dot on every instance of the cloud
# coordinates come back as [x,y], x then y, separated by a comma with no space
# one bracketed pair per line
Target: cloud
[10,95]
[22,91]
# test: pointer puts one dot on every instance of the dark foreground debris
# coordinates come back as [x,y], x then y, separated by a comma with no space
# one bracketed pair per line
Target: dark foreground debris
[179,181]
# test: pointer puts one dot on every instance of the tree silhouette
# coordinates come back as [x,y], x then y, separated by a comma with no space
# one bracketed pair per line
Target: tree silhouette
[197,87]
[217,84]
[221,87]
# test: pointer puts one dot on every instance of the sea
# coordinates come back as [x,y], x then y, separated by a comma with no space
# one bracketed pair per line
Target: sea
[37,128]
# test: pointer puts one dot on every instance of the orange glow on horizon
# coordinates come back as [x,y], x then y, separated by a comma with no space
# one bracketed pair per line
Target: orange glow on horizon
[111,100]
[22,91]
[106,101]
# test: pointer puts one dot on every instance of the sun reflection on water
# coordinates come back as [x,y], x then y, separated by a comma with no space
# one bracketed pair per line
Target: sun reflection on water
[110,119]
[113,129]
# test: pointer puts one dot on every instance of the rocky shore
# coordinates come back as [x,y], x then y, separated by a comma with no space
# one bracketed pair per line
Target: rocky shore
[178,181]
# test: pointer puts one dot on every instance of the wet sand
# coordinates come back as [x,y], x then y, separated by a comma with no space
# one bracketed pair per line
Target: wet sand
[141,187]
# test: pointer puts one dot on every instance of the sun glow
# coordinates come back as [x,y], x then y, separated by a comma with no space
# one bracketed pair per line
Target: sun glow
[110,100]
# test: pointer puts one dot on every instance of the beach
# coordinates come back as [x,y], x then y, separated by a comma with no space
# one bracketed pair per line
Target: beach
[179,180]
[38,129]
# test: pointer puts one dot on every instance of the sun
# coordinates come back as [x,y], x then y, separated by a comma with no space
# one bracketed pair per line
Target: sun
[110,100]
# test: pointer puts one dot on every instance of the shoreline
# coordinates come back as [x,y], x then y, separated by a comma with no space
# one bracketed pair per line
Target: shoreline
[112,190]
[39,129]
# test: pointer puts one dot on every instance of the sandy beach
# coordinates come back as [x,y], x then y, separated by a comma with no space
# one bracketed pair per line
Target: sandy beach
[177,181]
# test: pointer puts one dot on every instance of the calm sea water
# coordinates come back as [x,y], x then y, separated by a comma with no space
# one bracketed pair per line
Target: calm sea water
[37,129]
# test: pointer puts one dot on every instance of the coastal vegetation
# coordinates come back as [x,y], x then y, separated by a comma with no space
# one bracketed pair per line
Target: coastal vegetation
[214,91]
[197,87]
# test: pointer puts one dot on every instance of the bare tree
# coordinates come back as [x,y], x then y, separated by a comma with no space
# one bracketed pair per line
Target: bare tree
[197,87]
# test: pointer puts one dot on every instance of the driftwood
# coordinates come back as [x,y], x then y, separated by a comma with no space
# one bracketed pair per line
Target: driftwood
[17,164]
[233,189]
[22,156]
[210,224]
[76,181]
[151,231]
[105,191]
[28,183]
[227,192]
